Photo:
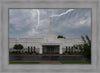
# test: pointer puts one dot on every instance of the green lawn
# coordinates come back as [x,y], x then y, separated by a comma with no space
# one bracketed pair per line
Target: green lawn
[75,62]
[24,62]
[63,62]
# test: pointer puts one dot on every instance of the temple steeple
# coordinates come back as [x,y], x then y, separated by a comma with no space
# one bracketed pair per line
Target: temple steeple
[50,34]
[50,29]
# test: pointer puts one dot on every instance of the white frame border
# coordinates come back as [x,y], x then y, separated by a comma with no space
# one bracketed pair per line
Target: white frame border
[5,4]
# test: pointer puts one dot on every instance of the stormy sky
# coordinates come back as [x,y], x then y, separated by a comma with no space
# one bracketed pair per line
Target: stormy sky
[34,23]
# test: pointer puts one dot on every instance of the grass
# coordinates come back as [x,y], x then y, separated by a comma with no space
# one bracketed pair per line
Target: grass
[63,62]
[24,62]
[75,62]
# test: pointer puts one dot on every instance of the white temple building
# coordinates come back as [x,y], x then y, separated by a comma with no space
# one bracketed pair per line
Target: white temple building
[49,44]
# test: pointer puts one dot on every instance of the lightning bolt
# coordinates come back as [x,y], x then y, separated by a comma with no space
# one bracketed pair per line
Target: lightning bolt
[70,10]
[38,12]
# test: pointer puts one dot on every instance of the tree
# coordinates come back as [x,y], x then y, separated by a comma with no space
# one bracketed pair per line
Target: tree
[85,47]
[18,47]
[60,36]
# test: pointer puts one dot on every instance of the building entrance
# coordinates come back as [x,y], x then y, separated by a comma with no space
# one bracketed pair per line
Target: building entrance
[50,49]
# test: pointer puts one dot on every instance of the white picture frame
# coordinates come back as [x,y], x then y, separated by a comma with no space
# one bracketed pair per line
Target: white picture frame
[47,68]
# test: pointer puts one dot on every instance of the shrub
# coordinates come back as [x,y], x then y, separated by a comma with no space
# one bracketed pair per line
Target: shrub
[18,47]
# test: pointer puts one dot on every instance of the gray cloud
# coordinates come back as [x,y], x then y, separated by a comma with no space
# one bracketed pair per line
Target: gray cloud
[23,22]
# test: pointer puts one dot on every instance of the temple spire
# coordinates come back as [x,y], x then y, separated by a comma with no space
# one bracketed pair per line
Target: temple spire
[50,34]
[50,29]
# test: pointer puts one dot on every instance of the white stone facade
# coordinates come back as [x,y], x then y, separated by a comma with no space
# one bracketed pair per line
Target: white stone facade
[39,42]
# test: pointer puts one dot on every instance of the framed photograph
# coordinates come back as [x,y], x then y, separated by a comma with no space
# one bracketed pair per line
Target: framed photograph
[49,36]
[32,40]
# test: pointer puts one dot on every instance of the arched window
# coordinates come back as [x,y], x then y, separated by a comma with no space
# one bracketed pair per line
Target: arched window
[28,49]
[34,48]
